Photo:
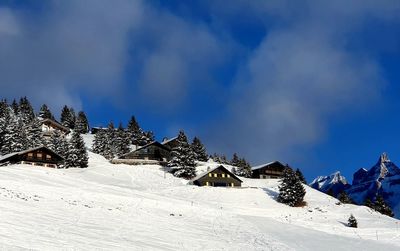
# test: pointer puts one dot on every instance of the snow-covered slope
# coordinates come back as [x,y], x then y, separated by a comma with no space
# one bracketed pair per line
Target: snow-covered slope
[121,207]
[333,183]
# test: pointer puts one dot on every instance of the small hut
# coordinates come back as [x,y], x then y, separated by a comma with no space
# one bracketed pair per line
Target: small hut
[217,177]
[152,153]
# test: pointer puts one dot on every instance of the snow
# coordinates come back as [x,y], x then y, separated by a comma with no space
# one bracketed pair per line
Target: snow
[122,207]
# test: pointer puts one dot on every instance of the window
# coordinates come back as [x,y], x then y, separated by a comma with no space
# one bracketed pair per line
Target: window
[207,184]
[48,156]
[232,185]
[228,176]
[215,175]
[30,155]
[209,175]
[223,175]
[39,155]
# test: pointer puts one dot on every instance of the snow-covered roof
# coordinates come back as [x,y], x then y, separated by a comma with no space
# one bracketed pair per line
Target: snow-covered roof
[55,123]
[169,140]
[266,164]
[211,170]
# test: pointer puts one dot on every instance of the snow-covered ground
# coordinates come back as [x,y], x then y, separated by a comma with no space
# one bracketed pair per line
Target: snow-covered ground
[121,207]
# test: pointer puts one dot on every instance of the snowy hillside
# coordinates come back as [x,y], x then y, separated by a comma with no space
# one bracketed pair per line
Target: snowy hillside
[110,206]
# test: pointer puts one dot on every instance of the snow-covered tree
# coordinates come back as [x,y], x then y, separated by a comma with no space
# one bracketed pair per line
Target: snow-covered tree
[381,206]
[25,109]
[134,131]
[82,124]
[15,107]
[301,176]
[109,148]
[200,153]
[182,161]
[241,166]
[13,135]
[291,190]
[34,135]
[99,143]
[77,155]
[68,117]
[58,143]
[352,222]
[45,112]
[344,198]
[121,142]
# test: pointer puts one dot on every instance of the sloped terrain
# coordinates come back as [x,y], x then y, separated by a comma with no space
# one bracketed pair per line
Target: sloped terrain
[110,206]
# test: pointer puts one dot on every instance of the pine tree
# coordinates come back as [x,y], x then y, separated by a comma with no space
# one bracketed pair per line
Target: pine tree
[77,155]
[25,111]
[242,167]
[99,143]
[344,198]
[3,108]
[58,143]
[34,135]
[368,203]
[15,107]
[45,113]
[135,131]
[235,160]
[381,206]
[199,150]
[182,161]
[121,142]
[352,222]
[13,134]
[291,190]
[301,176]
[68,117]
[82,124]
[109,147]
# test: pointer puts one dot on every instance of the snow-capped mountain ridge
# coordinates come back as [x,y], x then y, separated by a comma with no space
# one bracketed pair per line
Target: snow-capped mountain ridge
[333,183]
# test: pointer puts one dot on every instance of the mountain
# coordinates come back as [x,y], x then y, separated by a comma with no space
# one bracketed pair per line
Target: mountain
[332,184]
[381,179]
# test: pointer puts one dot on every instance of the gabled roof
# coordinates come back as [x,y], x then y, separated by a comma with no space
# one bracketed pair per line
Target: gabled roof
[213,169]
[55,123]
[7,156]
[156,143]
[266,164]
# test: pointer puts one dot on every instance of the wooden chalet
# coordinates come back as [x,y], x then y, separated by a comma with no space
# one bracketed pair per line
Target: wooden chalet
[49,126]
[39,156]
[171,143]
[217,177]
[272,170]
[152,153]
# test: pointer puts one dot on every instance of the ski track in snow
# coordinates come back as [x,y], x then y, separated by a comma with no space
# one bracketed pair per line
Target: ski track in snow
[120,207]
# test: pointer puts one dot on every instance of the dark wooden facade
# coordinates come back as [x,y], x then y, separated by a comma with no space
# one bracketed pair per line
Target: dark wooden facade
[272,170]
[39,156]
[217,177]
[151,151]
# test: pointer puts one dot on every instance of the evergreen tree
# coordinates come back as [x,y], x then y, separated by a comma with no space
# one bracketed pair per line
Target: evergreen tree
[3,108]
[291,190]
[34,135]
[109,147]
[235,160]
[68,117]
[99,143]
[58,143]
[331,192]
[77,155]
[200,153]
[15,107]
[135,131]
[344,198]
[352,222]
[147,137]
[182,161]
[301,176]
[14,138]
[121,142]
[45,113]
[242,167]
[26,111]
[368,203]
[82,124]
[381,206]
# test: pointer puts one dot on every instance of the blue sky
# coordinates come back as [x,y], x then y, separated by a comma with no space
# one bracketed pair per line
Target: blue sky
[309,83]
